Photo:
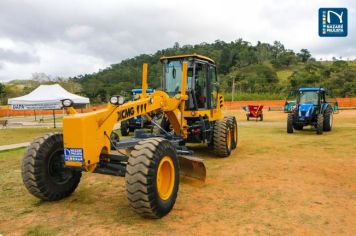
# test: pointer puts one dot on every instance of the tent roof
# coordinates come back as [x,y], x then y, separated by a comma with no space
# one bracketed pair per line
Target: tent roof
[48,94]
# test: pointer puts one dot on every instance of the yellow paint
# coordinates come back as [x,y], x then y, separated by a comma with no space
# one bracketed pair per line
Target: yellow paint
[91,131]
[165,178]
[228,138]
[144,80]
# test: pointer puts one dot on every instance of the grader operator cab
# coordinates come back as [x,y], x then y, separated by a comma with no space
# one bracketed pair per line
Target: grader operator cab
[150,162]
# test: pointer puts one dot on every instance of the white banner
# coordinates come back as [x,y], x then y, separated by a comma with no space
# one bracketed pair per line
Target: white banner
[44,106]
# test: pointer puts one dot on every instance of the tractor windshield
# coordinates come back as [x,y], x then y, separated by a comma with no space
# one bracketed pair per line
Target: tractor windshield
[309,97]
[172,77]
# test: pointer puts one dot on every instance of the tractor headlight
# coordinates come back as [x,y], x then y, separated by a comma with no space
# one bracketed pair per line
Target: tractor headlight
[117,100]
[67,103]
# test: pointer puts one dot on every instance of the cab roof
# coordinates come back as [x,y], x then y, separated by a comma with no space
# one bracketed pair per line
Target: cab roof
[311,89]
[194,55]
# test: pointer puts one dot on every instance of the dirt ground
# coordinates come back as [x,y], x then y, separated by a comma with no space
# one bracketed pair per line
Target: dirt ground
[274,183]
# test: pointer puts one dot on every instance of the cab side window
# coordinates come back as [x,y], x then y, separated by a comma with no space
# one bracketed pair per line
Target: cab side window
[213,87]
[201,85]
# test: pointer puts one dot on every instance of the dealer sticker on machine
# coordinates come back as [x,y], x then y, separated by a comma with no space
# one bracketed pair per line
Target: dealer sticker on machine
[73,154]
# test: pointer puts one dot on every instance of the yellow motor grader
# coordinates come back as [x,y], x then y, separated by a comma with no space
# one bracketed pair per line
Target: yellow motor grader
[151,162]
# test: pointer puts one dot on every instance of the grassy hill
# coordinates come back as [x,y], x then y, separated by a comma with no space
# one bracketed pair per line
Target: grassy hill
[267,71]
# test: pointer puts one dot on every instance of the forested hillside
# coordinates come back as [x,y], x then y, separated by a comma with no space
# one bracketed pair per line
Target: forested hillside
[262,71]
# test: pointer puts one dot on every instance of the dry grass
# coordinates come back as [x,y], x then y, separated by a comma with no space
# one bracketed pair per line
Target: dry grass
[274,183]
[21,135]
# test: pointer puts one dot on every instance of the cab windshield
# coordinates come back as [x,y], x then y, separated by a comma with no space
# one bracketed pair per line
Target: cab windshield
[308,97]
[172,76]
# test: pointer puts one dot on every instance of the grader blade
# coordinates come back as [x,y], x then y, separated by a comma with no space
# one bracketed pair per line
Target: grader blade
[192,167]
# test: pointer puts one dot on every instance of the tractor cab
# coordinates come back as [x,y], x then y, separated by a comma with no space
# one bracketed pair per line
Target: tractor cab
[309,101]
[311,109]
[202,85]
[136,91]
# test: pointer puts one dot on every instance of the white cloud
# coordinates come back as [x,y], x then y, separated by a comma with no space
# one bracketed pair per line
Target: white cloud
[66,38]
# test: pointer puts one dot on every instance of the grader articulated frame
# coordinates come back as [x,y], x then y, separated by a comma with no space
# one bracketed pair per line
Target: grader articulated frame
[151,162]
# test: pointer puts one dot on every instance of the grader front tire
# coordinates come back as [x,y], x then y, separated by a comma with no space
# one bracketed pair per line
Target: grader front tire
[152,178]
[222,138]
[43,171]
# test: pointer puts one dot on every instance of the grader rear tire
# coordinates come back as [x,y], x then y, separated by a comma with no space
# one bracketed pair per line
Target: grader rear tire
[222,138]
[152,177]
[234,131]
[43,171]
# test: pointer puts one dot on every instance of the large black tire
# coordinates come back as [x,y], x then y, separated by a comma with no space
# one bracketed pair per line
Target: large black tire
[222,138]
[328,119]
[298,126]
[234,131]
[125,130]
[143,178]
[320,124]
[290,120]
[43,170]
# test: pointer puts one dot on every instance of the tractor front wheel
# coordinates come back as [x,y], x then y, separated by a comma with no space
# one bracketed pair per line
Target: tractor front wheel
[43,170]
[222,138]
[328,119]
[290,120]
[152,177]
[320,124]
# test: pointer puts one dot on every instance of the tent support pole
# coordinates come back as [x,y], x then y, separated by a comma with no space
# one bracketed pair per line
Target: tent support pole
[35,115]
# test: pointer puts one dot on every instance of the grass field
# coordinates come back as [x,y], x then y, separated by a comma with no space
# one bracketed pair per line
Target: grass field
[11,136]
[274,183]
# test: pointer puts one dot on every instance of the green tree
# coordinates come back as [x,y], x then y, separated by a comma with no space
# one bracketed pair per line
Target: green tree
[304,55]
[2,93]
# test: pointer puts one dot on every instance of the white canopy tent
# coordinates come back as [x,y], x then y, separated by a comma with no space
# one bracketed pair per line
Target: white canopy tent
[46,97]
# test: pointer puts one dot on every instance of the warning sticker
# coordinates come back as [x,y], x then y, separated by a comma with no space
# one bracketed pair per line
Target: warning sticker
[73,154]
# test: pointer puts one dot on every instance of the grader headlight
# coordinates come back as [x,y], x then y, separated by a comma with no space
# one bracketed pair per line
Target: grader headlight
[117,100]
[67,103]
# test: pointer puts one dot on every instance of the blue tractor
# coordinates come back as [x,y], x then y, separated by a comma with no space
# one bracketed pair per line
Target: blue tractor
[138,122]
[311,108]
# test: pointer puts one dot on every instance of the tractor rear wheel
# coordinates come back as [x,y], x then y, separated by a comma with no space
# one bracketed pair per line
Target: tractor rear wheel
[290,120]
[152,177]
[320,124]
[125,130]
[43,170]
[222,138]
[234,131]
[328,119]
